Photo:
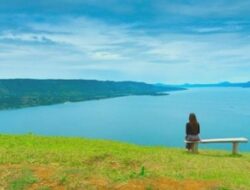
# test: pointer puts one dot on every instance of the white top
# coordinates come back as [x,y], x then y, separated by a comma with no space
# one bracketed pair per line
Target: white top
[222,140]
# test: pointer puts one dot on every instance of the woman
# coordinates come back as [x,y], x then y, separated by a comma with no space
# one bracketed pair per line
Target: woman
[192,131]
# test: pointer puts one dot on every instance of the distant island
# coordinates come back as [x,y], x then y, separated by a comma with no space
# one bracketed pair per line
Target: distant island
[222,84]
[19,93]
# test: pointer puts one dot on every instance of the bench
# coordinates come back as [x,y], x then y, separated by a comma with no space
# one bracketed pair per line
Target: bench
[235,143]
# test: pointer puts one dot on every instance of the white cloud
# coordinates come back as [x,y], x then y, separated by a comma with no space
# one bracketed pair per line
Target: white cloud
[102,55]
[208,9]
[208,29]
[88,48]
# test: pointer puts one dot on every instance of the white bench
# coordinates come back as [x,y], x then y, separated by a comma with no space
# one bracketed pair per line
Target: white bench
[235,143]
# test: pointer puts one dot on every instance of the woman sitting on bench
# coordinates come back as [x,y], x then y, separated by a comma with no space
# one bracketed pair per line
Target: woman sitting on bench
[192,131]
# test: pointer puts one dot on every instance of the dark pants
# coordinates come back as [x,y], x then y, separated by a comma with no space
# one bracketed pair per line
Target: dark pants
[191,138]
[189,146]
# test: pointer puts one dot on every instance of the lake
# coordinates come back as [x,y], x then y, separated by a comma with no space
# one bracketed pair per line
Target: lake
[145,120]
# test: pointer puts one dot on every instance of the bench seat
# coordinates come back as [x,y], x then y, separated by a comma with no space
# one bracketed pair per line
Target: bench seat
[235,142]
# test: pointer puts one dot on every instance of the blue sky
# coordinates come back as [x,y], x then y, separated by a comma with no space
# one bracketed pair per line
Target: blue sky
[167,41]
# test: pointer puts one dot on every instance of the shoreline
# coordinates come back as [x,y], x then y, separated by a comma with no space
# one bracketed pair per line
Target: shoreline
[86,100]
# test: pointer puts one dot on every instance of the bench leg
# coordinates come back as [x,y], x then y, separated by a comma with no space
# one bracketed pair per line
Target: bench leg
[235,148]
[195,148]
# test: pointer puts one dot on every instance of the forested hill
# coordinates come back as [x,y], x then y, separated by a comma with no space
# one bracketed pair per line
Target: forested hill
[18,93]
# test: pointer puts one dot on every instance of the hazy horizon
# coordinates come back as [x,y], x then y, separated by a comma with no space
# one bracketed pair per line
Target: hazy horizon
[159,82]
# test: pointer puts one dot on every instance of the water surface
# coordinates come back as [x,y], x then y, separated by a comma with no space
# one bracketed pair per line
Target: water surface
[147,120]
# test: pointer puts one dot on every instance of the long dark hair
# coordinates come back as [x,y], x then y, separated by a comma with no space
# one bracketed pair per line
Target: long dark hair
[192,119]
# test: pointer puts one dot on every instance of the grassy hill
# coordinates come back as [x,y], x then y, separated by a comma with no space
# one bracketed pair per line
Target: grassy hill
[18,93]
[35,162]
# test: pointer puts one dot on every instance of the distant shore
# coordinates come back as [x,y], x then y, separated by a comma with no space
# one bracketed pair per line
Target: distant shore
[21,93]
[96,98]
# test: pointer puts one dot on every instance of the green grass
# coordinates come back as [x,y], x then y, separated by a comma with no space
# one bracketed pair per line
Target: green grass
[74,162]
[44,188]
[24,179]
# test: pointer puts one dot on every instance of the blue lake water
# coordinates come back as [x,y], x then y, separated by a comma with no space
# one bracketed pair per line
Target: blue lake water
[147,120]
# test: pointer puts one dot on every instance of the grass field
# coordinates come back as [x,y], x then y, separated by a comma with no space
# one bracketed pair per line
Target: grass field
[44,163]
